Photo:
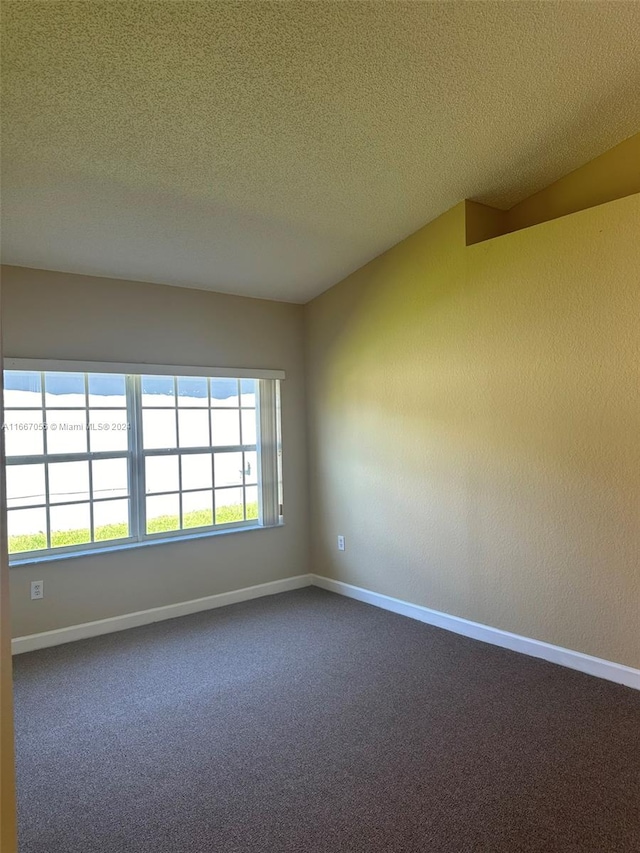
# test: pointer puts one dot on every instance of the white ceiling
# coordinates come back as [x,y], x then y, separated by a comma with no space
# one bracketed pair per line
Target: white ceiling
[269,149]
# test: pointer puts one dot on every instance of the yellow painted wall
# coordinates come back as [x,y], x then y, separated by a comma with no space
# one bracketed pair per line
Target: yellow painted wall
[474,416]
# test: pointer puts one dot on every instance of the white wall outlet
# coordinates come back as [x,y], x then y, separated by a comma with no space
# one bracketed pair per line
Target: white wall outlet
[340,543]
[37,589]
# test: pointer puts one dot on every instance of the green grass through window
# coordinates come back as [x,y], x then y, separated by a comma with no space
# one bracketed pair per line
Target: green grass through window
[108,532]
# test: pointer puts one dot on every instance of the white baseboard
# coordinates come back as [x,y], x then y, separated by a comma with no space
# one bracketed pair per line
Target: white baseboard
[609,670]
[156,614]
[599,667]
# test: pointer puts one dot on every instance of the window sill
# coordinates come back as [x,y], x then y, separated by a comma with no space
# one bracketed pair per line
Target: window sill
[130,546]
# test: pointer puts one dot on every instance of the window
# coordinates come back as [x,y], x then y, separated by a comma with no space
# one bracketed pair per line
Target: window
[96,459]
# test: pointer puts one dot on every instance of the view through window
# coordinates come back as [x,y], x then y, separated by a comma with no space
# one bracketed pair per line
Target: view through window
[95,459]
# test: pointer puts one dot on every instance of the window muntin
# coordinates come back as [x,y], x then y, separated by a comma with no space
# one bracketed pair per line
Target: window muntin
[198,464]
[55,443]
[95,459]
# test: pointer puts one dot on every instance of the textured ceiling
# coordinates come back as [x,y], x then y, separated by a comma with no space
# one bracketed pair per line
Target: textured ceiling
[269,149]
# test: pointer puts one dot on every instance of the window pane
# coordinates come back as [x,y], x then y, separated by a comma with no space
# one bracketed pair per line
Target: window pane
[193,429]
[110,520]
[23,433]
[25,485]
[229,506]
[108,430]
[107,389]
[228,469]
[159,429]
[224,392]
[110,478]
[198,412]
[64,389]
[68,481]
[196,471]
[251,497]
[163,514]
[225,427]
[161,474]
[158,391]
[66,431]
[70,525]
[22,389]
[248,392]
[27,530]
[250,467]
[192,391]
[248,426]
[197,509]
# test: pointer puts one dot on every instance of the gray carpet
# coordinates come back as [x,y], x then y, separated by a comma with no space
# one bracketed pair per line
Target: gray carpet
[311,723]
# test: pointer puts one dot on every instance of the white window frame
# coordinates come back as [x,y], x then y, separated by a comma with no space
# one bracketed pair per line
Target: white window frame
[267,447]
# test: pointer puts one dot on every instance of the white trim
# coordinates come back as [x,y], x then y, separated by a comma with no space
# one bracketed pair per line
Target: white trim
[57,554]
[588,664]
[267,445]
[44,364]
[155,614]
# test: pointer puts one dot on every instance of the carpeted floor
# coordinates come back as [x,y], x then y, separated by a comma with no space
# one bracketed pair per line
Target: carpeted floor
[311,723]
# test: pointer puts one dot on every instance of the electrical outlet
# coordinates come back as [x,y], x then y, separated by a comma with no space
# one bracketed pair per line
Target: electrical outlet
[340,543]
[37,590]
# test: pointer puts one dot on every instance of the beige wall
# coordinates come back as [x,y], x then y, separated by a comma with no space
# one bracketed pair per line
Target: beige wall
[474,416]
[57,315]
